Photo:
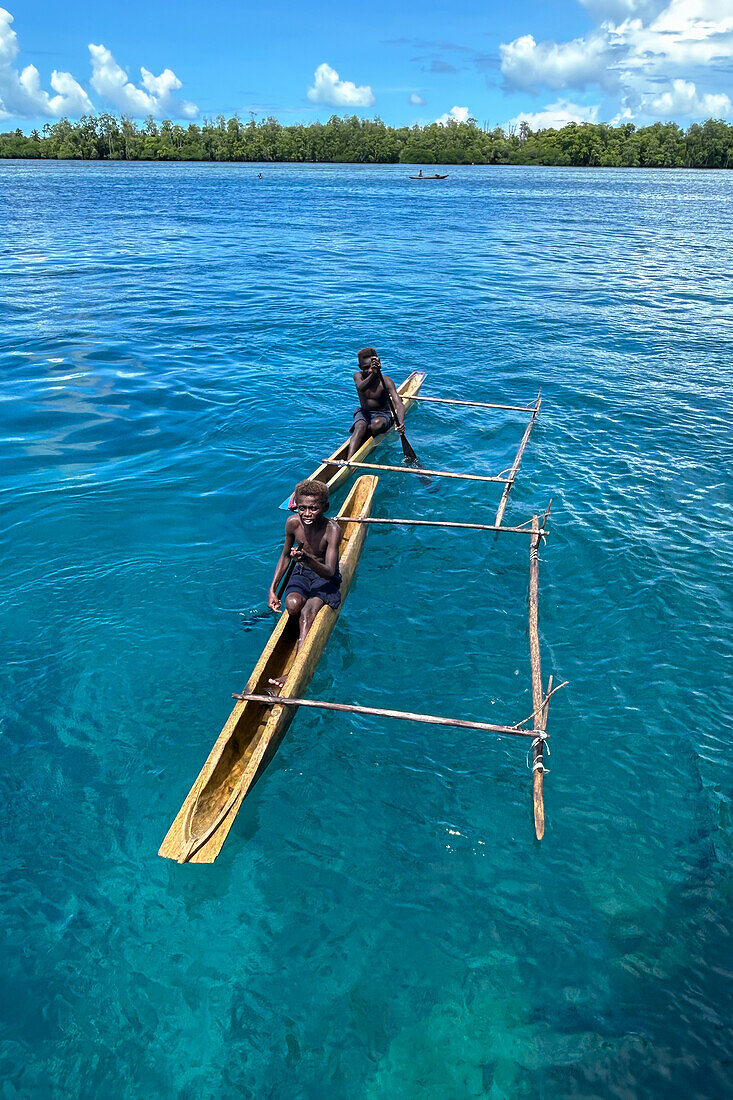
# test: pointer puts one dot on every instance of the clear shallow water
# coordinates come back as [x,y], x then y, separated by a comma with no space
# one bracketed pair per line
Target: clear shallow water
[176,349]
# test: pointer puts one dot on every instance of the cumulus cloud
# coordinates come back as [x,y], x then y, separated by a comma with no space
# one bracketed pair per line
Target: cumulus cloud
[528,65]
[417,100]
[684,99]
[21,94]
[155,97]
[644,55]
[456,114]
[330,89]
[685,33]
[554,116]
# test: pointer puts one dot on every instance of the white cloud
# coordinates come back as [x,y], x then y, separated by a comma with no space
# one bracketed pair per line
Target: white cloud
[623,9]
[8,39]
[155,97]
[527,64]
[683,100]
[554,116]
[456,114]
[644,54]
[21,94]
[625,115]
[328,88]
[684,34]
[417,100]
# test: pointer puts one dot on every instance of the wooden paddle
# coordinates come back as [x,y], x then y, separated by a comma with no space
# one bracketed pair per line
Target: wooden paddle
[410,457]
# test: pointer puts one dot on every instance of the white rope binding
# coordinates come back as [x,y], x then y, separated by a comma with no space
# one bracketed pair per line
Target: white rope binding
[538,765]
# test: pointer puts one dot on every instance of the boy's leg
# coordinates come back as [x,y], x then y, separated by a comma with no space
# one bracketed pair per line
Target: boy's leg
[312,606]
[294,602]
[359,436]
[379,424]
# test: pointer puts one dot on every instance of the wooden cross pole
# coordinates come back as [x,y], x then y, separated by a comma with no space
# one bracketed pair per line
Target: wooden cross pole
[539,702]
[412,470]
[473,404]
[517,461]
[440,523]
[381,712]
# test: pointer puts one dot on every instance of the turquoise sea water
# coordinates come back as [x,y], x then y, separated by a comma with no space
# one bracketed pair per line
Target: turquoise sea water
[176,344]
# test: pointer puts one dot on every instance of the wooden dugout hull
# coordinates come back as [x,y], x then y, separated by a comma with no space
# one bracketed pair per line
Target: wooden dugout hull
[335,476]
[254,731]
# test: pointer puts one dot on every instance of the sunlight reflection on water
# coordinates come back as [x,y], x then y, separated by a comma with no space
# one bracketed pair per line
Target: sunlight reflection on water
[177,347]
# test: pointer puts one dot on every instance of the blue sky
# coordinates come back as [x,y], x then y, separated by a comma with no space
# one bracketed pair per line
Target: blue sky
[548,63]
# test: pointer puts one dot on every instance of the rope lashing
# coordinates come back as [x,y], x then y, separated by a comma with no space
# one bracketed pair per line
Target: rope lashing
[539,765]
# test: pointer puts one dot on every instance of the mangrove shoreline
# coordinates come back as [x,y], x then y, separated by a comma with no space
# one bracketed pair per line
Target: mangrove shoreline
[369,141]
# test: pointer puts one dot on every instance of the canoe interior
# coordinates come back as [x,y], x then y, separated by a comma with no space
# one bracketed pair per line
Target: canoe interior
[253,731]
[335,476]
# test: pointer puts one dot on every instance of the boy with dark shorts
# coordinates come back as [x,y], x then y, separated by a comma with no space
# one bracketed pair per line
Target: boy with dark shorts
[374,415]
[312,541]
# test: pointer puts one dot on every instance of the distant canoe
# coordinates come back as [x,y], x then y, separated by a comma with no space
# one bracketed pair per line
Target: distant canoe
[445,177]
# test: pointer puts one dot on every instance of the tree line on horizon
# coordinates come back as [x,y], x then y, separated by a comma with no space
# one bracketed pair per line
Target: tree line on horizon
[371,141]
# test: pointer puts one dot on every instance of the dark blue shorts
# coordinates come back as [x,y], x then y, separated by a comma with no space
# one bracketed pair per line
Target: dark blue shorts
[366,416]
[307,583]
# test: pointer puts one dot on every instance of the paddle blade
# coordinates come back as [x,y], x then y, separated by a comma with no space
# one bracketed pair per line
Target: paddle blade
[424,479]
[412,460]
[408,451]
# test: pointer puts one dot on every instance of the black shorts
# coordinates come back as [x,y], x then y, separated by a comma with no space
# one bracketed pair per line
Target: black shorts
[366,416]
[307,583]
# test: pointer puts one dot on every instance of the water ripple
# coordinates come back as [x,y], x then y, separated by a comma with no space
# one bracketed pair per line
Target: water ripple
[177,350]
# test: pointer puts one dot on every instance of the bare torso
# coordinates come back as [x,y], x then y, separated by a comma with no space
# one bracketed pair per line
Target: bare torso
[314,540]
[372,392]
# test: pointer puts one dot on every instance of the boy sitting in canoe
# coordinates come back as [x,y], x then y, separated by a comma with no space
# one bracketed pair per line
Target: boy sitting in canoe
[374,415]
[312,542]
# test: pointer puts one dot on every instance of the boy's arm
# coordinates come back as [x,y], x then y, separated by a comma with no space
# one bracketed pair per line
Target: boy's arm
[399,408]
[361,382]
[273,600]
[326,569]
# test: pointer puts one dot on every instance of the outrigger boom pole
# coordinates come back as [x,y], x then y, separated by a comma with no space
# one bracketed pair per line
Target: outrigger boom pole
[411,470]
[443,523]
[517,460]
[380,712]
[472,404]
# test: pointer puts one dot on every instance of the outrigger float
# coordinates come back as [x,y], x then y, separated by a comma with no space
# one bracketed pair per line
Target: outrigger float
[260,719]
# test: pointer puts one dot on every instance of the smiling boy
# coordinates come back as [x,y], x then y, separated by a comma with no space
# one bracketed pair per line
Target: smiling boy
[312,542]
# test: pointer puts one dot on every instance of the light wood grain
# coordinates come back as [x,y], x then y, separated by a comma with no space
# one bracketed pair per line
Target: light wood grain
[539,704]
[417,470]
[517,461]
[253,731]
[402,715]
[335,476]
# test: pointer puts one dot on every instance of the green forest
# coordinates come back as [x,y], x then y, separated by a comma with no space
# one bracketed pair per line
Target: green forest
[370,141]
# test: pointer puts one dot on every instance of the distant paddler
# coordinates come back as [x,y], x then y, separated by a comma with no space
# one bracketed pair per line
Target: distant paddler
[312,542]
[380,405]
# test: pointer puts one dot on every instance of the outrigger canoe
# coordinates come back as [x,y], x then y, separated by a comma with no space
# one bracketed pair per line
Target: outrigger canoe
[254,731]
[335,476]
[445,177]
